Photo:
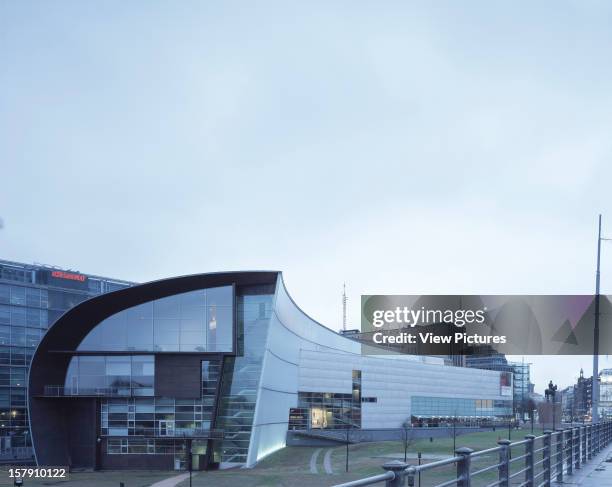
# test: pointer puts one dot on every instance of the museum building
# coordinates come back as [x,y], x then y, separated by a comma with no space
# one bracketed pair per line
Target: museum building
[213,370]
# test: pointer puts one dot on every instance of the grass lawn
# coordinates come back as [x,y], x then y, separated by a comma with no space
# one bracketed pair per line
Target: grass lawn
[291,466]
[135,478]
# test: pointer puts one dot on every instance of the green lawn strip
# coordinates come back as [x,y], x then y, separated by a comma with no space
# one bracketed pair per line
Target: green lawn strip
[137,478]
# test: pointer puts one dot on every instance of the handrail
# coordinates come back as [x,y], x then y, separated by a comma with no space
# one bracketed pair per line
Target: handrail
[369,480]
[568,448]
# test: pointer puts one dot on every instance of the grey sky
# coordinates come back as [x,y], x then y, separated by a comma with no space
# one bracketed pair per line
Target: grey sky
[405,147]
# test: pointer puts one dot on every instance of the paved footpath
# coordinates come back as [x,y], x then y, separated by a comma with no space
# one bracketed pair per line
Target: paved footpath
[595,473]
[172,481]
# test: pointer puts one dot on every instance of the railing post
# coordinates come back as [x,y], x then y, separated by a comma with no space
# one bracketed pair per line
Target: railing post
[597,438]
[577,443]
[399,470]
[463,466]
[590,441]
[559,459]
[529,460]
[569,445]
[410,474]
[504,463]
[546,454]
[584,443]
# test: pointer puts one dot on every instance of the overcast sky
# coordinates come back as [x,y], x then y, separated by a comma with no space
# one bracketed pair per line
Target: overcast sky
[402,147]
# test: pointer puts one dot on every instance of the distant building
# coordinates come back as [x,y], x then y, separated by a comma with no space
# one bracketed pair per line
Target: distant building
[605,393]
[32,297]
[522,386]
[567,403]
[583,398]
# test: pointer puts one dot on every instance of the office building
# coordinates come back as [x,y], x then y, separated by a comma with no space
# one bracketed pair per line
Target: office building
[31,298]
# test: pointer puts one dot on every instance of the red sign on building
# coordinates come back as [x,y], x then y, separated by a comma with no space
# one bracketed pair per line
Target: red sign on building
[69,275]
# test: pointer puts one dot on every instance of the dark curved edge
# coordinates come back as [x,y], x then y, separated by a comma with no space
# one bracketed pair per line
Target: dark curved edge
[49,424]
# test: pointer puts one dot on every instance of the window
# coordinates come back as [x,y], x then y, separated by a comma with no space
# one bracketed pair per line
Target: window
[18,316]
[33,297]
[5,294]
[197,321]
[118,375]
[5,314]
[33,317]
[18,295]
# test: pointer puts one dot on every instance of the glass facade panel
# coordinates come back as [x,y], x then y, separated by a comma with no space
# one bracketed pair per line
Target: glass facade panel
[241,374]
[197,321]
[120,375]
[438,410]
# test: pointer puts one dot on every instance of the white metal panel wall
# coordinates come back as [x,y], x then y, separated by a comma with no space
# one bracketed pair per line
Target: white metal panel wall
[392,382]
[303,355]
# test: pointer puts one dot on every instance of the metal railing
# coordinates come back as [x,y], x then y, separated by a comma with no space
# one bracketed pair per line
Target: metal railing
[170,433]
[541,459]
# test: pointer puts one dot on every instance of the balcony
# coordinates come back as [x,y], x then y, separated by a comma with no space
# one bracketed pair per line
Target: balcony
[171,433]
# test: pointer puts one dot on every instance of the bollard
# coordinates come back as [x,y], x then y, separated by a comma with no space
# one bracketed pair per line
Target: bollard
[529,460]
[504,463]
[559,459]
[546,454]
[410,476]
[570,452]
[399,470]
[463,466]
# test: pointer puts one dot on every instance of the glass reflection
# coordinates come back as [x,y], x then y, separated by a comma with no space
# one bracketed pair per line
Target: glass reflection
[197,321]
[121,375]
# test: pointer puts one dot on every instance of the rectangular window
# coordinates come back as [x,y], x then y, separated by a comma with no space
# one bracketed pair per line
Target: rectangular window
[33,317]
[5,314]
[18,295]
[18,316]
[5,294]
[33,297]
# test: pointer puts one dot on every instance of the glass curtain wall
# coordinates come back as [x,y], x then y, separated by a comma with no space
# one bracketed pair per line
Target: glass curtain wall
[196,321]
[117,375]
[241,374]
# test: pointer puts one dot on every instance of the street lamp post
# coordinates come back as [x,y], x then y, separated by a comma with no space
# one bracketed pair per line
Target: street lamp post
[405,425]
[347,446]
[510,428]
[551,392]
[455,432]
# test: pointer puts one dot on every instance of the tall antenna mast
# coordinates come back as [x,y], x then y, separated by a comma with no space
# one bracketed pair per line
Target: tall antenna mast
[344,300]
